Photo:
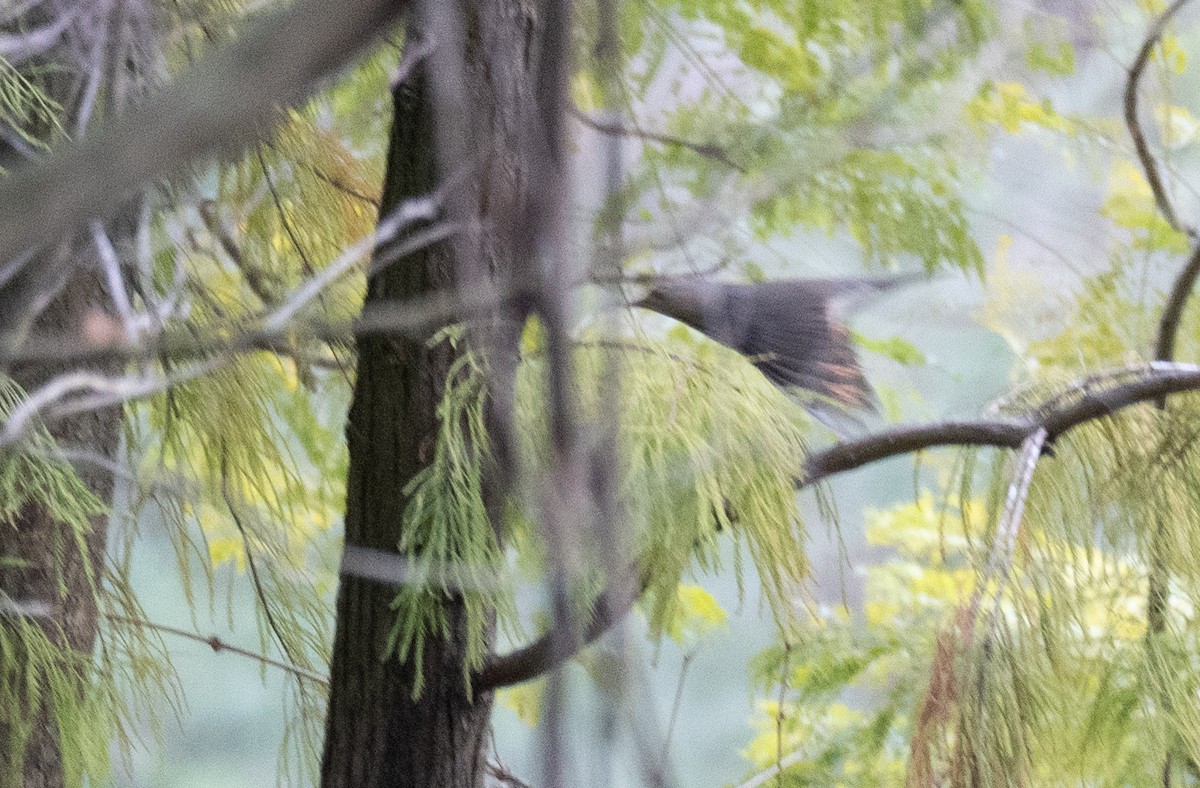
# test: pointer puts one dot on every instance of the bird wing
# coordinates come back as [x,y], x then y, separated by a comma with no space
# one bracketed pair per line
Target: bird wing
[786,330]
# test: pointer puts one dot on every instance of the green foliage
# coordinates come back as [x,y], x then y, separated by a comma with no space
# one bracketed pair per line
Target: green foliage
[826,116]
[448,531]
[42,680]
[707,447]
[1054,672]
[1130,205]
[803,114]
[892,203]
[247,462]
[24,105]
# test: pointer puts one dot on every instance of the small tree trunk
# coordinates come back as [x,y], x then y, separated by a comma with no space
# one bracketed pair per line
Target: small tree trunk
[47,550]
[48,565]
[377,733]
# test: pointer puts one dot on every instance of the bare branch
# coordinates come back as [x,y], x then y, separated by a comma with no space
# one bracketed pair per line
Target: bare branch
[1000,561]
[1168,324]
[1159,381]
[1149,166]
[218,645]
[80,391]
[414,317]
[545,653]
[708,150]
[17,47]
[112,276]
[405,214]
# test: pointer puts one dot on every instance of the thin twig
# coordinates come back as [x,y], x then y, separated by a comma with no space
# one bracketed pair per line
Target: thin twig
[284,219]
[708,150]
[1145,157]
[675,704]
[256,581]
[406,213]
[112,275]
[80,391]
[218,645]
[340,185]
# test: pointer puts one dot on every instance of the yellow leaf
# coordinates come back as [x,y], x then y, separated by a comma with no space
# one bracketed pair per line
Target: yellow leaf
[525,700]
[1179,127]
[227,549]
[586,91]
[697,613]
[1171,54]
[532,336]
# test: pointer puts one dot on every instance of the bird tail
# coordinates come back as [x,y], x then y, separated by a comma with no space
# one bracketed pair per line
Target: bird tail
[796,341]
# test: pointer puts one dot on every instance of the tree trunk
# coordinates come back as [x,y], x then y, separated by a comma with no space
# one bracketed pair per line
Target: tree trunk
[55,571]
[377,732]
[48,565]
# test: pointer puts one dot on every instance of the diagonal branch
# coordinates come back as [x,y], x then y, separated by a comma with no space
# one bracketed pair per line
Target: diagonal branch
[1168,324]
[545,653]
[1145,157]
[612,127]
[1000,561]
[218,645]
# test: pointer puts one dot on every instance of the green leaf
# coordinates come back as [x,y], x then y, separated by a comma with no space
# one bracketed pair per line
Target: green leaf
[895,348]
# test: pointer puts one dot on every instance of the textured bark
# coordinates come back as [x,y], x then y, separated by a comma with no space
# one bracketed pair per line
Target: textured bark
[377,732]
[47,544]
[55,570]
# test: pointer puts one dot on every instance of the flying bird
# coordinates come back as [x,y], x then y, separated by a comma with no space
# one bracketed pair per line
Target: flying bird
[789,329]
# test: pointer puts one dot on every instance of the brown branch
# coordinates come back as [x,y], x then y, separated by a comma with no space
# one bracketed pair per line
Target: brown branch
[1145,157]
[708,150]
[546,653]
[340,185]
[1002,432]
[1168,324]
[219,108]
[851,454]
